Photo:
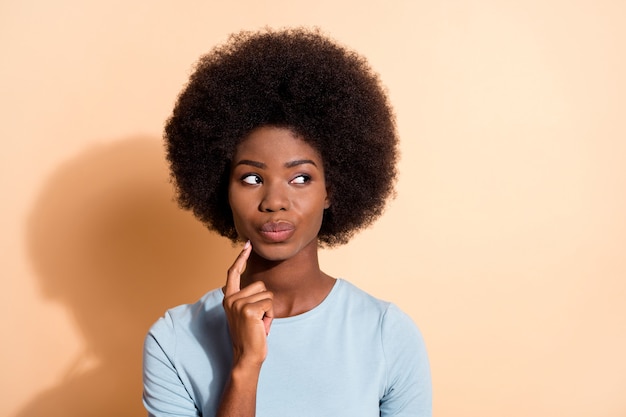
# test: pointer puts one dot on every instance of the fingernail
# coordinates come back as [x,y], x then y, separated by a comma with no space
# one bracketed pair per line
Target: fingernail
[247,245]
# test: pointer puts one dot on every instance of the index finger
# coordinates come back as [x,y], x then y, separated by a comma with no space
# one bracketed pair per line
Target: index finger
[233,278]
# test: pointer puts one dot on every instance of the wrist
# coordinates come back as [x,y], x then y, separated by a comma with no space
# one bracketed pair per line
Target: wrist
[245,374]
[249,361]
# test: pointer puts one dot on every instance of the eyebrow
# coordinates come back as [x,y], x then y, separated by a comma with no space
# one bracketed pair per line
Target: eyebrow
[289,164]
[300,162]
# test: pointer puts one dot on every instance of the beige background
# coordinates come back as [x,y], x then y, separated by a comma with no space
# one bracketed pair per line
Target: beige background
[506,243]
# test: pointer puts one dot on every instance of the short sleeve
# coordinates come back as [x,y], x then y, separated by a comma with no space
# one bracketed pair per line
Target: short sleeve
[164,393]
[408,389]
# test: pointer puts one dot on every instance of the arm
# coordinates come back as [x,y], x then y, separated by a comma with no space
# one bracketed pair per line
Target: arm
[249,315]
[409,390]
[163,393]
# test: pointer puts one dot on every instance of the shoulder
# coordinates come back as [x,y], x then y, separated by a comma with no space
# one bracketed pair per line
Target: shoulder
[352,297]
[389,314]
[181,348]
[398,332]
[407,384]
[184,318]
[394,326]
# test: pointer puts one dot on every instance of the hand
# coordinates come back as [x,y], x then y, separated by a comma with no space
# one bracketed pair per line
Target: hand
[249,313]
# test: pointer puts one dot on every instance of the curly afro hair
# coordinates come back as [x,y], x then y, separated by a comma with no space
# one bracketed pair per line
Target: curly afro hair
[301,80]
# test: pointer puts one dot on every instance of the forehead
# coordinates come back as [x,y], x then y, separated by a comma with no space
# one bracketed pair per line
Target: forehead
[269,143]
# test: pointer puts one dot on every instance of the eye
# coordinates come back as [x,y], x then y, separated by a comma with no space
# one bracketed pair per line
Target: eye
[251,179]
[301,179]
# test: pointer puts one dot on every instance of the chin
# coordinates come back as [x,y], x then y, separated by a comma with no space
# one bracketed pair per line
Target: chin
[282,251]
[274,252]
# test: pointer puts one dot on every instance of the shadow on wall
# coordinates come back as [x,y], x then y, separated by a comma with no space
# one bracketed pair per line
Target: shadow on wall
[110,244]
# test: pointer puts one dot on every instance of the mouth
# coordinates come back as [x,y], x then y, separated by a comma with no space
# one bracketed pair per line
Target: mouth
[277,231]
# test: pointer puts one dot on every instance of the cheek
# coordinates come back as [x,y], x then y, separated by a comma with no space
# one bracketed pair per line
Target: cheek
[239,223]
[316,209]
[236,204]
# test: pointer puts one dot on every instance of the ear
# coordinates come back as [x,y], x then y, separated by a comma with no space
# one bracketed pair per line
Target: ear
[327,199]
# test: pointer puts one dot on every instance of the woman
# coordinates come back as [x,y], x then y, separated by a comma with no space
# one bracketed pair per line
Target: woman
[286,141]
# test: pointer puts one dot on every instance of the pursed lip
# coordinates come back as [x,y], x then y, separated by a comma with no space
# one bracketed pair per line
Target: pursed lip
[277,231]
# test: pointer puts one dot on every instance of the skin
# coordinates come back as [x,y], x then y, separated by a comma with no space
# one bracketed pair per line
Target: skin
[278,194]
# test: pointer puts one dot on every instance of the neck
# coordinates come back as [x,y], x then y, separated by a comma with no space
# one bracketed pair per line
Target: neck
[298,283]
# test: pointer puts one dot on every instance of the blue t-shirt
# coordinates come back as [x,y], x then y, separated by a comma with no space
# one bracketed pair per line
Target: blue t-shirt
[351,356]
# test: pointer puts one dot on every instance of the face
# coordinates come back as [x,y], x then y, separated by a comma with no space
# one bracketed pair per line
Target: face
[277,193]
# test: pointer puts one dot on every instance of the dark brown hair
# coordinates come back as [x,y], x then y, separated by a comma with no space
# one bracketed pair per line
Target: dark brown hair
[295,78]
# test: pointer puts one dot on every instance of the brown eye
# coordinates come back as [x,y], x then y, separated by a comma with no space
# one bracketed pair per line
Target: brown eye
[252,179]
[301,179]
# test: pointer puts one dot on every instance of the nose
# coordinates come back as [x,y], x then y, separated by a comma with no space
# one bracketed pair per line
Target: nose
[275,198]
